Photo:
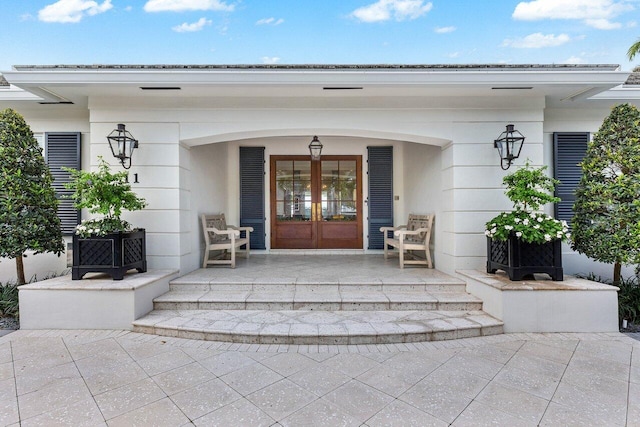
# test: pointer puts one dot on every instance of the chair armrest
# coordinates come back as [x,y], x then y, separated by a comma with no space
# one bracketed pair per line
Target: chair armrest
[228,232]
[233,227]
[399,227]
[410,232]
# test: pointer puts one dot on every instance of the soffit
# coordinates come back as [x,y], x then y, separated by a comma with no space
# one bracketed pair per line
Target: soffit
[265,85]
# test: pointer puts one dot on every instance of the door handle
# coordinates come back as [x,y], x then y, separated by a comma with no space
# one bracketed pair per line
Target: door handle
[313,211]
[318,212]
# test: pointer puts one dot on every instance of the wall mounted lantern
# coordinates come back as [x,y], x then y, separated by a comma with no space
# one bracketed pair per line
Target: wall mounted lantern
[122,144]
[509,144]
[315,148]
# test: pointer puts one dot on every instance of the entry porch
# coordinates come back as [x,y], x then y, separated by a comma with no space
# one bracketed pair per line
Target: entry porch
[340,297]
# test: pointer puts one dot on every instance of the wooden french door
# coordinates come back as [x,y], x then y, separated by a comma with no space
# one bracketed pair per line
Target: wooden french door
[316,204]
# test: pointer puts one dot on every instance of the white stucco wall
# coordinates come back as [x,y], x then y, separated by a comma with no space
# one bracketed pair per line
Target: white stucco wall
[422,170]
[462,180]
[209,183]
[444,159]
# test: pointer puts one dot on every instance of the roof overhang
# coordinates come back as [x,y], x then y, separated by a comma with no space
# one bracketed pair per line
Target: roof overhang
[76,83]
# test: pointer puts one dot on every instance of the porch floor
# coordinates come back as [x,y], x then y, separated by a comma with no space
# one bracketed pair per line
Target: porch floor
[318,299]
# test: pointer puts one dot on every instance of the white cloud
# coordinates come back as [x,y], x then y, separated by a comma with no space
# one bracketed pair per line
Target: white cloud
[384,10]
[270,59]
[537,40]
[444,30]
[575,60]
[186,5]
[453,55]
[594,13]
[602,24]
[270,21]
[128,8]
[190,28]
[72,11]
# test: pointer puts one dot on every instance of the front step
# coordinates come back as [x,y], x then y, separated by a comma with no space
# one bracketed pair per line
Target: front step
[317,299]
[318,327]
[359,300]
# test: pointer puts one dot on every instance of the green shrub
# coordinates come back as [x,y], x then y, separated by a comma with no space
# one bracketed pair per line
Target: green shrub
[629,300]
[9,300]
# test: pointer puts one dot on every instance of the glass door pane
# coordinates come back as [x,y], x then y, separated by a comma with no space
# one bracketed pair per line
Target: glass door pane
[339,190]
[293,190]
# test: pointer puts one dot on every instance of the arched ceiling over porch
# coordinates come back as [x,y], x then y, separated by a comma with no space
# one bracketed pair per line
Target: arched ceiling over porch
[214,137]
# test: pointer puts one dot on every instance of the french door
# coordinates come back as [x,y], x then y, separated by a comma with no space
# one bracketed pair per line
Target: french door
[316,204]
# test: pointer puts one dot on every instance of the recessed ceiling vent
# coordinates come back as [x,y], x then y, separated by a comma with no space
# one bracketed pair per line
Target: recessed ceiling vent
[512,88]
[342,88]
[55,103]
[160,88]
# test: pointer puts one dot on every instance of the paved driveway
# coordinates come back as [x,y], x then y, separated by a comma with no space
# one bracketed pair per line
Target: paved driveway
[119,378]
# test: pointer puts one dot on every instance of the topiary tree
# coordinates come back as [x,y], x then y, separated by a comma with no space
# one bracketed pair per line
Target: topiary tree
[606,224]
[28,204]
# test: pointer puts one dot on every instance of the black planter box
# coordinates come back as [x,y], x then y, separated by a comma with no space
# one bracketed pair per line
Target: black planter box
[114,254]
[519,259]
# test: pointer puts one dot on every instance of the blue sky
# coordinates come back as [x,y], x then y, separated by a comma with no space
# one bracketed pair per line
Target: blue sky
[324,31]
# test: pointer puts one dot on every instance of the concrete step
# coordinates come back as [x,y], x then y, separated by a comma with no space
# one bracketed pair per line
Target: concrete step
[318,327]
[317,298]
[207,284]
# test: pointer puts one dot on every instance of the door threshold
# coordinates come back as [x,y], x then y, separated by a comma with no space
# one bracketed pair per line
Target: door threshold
[316,251]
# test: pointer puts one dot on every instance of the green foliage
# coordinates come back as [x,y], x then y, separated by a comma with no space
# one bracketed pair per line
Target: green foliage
[9,300]
[529,189]
[28,204]
[106,194]
[606,224]
[633,50]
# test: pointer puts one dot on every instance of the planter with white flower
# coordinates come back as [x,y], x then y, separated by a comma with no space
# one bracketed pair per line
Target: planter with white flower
[107,244]
[526,241]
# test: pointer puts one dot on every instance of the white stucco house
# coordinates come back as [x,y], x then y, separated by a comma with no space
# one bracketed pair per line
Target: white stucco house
[408,139]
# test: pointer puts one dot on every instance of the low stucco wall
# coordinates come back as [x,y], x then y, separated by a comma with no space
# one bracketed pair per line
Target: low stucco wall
[572,305]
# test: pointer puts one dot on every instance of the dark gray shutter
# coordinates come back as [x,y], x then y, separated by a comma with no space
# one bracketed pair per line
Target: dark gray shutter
[63,149]
[380,172]
[252,194]
[568,149]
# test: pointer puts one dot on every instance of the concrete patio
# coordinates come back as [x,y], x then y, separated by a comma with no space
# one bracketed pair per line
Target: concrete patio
[122,378]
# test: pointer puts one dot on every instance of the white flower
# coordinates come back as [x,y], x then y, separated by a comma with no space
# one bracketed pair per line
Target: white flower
[487,233]
[532,215]
[564,224]
[525,221]
[493,230]
[493,225]
[508,227]
[547,237]
[517,220]
[518,233]
[540,219]
[536,226]
[568,235]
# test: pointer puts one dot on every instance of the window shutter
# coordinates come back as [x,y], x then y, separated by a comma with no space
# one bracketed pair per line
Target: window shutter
[252,194]
[380,193]
[569,149]
[63,149]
